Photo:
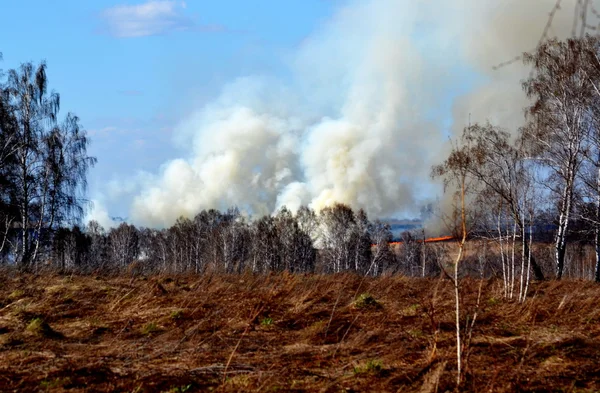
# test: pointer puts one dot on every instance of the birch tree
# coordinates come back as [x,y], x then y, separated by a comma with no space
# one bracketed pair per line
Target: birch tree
[455,173]
[503,172]
[123,245]
[8,128]
[297,251]
[557,125]
[49,160]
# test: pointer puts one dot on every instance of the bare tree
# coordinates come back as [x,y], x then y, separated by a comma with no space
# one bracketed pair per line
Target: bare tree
[70,249]
[123,245]
[97,258]
[558,122]
[233,239]
[153,250]
[455,173]
[383,257]
[34,110]
[50,160]
[8,135]
[590,171]
[503,173]
[266,245]
[338,237]
[296,246]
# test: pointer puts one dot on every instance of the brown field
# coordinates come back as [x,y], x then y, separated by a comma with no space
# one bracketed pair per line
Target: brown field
[291,333]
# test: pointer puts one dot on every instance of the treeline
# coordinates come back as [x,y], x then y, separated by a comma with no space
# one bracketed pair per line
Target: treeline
[336,239]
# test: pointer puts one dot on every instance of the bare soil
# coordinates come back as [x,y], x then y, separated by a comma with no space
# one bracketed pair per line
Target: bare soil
[292,333]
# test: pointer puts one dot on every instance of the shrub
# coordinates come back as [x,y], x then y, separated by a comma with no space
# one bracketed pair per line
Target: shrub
[366,300]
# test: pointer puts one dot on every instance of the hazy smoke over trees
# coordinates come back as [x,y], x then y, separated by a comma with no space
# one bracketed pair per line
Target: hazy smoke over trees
[373,95]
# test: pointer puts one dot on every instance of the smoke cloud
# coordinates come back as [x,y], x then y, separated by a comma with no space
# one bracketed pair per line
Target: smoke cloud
[99,213]
[373,96]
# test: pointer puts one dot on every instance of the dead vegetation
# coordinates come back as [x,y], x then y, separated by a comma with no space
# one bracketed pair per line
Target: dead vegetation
[291,333]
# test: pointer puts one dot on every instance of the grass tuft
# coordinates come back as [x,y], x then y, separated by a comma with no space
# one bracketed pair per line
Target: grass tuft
[55,383]
[39,327]
[373,366]
[16,294]
[366,300]
[179,389]
[150,328]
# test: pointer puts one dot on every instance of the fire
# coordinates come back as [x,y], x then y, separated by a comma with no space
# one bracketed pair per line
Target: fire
[439,239]
[428,240]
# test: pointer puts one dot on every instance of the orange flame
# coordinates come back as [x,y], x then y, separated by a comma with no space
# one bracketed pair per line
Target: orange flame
[439,239]
[428,240]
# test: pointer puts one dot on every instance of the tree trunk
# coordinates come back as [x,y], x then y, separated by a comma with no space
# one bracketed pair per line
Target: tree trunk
[597,228]
[423,255]
[40,222]
[7,223]
[459,257]
[24,214]
[537,270]
[561,235]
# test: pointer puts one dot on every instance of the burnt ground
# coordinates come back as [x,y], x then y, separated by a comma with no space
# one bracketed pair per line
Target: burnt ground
[291,333]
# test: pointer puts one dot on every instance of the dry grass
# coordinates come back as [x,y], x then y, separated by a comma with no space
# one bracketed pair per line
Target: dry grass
[278,333]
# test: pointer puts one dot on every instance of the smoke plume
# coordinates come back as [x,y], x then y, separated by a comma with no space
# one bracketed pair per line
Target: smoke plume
[372,98]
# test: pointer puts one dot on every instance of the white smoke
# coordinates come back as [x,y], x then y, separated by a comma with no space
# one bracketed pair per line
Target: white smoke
[496,32]
[364,116]
[99,213]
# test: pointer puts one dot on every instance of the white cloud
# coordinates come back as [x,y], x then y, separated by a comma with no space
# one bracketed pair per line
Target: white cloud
[154,17]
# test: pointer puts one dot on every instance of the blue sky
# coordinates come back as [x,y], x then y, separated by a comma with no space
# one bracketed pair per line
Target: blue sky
[131,70]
